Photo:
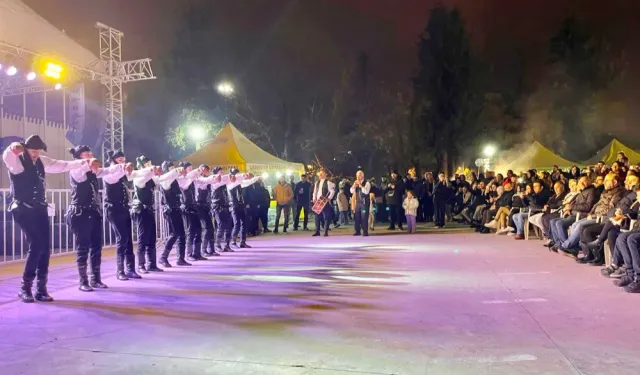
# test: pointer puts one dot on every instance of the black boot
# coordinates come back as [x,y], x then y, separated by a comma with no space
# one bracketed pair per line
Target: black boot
[244,245]
[152,265]
[84,279]
[120,274]
[190,254]
[41,290]
[164,262]
[25,292]
[197,251]
[214,251]
[130,267]
[96,279]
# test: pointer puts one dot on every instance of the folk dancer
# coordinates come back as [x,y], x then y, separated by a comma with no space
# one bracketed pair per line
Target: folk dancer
[173,215]
[361,204]
[327,189]
[203,199]
[84,215]
[143,209]
[190,210]
[27,169]
[237,205]
[116,204]
[220,210]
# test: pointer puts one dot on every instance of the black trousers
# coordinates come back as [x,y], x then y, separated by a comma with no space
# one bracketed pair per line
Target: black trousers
[361,221]
[224,225]
[146,228]
[34,224]
[206,223]
[396,213]
[546,223]
[263,215]
[193,231]
[439,210]
[173,217]
[279,209]
[239,225]
[325,216]
[86,225]
[299,208]
[252,220]
[120,220]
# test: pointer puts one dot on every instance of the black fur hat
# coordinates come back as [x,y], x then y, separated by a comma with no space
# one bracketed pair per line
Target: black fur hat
[216,170]
[166,165]
[204,166]
[113,155]
[34,142]
[234,171]
[78,150]
[141,161]
[184,164]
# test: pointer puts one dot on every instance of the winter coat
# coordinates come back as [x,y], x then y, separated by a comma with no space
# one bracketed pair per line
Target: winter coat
[410,206]
[608,201]
[343,202]
[584,201]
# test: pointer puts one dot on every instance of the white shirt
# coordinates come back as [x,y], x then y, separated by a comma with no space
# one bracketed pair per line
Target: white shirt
[363,189]
[186,180]
[318,191]
[80,174]
[14,165]
[115,177]
[166,179]
[239,181]
[223,182]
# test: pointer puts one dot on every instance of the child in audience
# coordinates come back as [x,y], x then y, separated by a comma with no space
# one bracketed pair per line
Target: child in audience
[410,206]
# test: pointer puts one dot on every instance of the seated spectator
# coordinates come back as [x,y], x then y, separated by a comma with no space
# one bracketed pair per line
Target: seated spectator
[580,207]
[628,245]
[503,200]
[552,205]
[556,214]
[536,200]
[593,237]
[608,200]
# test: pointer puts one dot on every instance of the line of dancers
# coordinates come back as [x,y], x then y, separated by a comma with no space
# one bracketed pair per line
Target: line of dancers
[191,199]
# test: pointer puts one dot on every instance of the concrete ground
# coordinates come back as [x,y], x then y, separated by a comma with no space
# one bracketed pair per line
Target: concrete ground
[431,303]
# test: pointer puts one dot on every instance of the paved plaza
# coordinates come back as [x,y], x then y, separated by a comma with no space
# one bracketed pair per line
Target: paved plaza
[454,303]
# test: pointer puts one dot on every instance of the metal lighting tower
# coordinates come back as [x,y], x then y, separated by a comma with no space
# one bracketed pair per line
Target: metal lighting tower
[117,72]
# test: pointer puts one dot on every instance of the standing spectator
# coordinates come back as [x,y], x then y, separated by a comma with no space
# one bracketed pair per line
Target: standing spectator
[426,199]
[263,201]
[441,193]
[393,193]
[343,205]
[410,206]
[283,196]
[302,195]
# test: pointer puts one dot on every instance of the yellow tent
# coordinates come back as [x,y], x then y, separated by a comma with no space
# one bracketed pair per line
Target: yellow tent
[230,148]
[609,154]
[537,157]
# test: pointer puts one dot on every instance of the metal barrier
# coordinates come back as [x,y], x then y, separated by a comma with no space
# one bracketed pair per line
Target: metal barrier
[13,247]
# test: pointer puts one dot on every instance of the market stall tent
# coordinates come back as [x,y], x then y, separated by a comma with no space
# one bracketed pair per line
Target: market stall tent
[230,148]
[609,154]
[536,157]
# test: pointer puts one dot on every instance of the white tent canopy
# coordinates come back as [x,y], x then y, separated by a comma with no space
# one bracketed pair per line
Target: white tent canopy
[22,27]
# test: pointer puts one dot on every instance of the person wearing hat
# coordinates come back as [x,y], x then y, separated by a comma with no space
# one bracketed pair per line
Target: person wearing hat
[143,209]
[27,169]
[393,193]
[220,210]
[190,211]
[84,216]
[324,188]
[237,205]
[360,202]
[203,202]
[116,203]
[172,213]
[302,196]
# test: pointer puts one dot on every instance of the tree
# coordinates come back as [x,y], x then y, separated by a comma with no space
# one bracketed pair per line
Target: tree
[179,136]
[443,98]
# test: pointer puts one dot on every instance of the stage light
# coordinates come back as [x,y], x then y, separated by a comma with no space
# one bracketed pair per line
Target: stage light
[31,76]
[279,174]
[53,70]
[58,86]
[289,172]
[197,133]
[265,175]
[11,71]
[489,151]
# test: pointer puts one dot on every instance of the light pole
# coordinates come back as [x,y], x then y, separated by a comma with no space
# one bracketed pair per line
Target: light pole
[489,151]
[197,134]
[226,89]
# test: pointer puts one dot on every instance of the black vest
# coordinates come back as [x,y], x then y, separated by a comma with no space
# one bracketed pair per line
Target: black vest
[325,189]
[85,194]
[29,186]
[189,198]
[117,195]
[220,198]
[362,200]
[171,197]
[204,197]
[145,196]
[236,200]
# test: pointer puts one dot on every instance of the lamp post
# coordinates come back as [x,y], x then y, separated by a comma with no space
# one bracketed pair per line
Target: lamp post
[197,134]
[226,89]
[489,151]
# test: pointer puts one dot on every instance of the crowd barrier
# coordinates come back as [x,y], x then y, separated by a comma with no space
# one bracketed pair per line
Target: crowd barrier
[13,247]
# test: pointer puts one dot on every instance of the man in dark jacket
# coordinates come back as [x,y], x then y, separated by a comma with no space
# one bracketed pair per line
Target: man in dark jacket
[302,196]
[393,193]
[536,202]
[580,207]
[441,193]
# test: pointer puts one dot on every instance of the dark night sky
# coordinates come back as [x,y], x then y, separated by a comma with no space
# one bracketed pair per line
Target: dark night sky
[149,24]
